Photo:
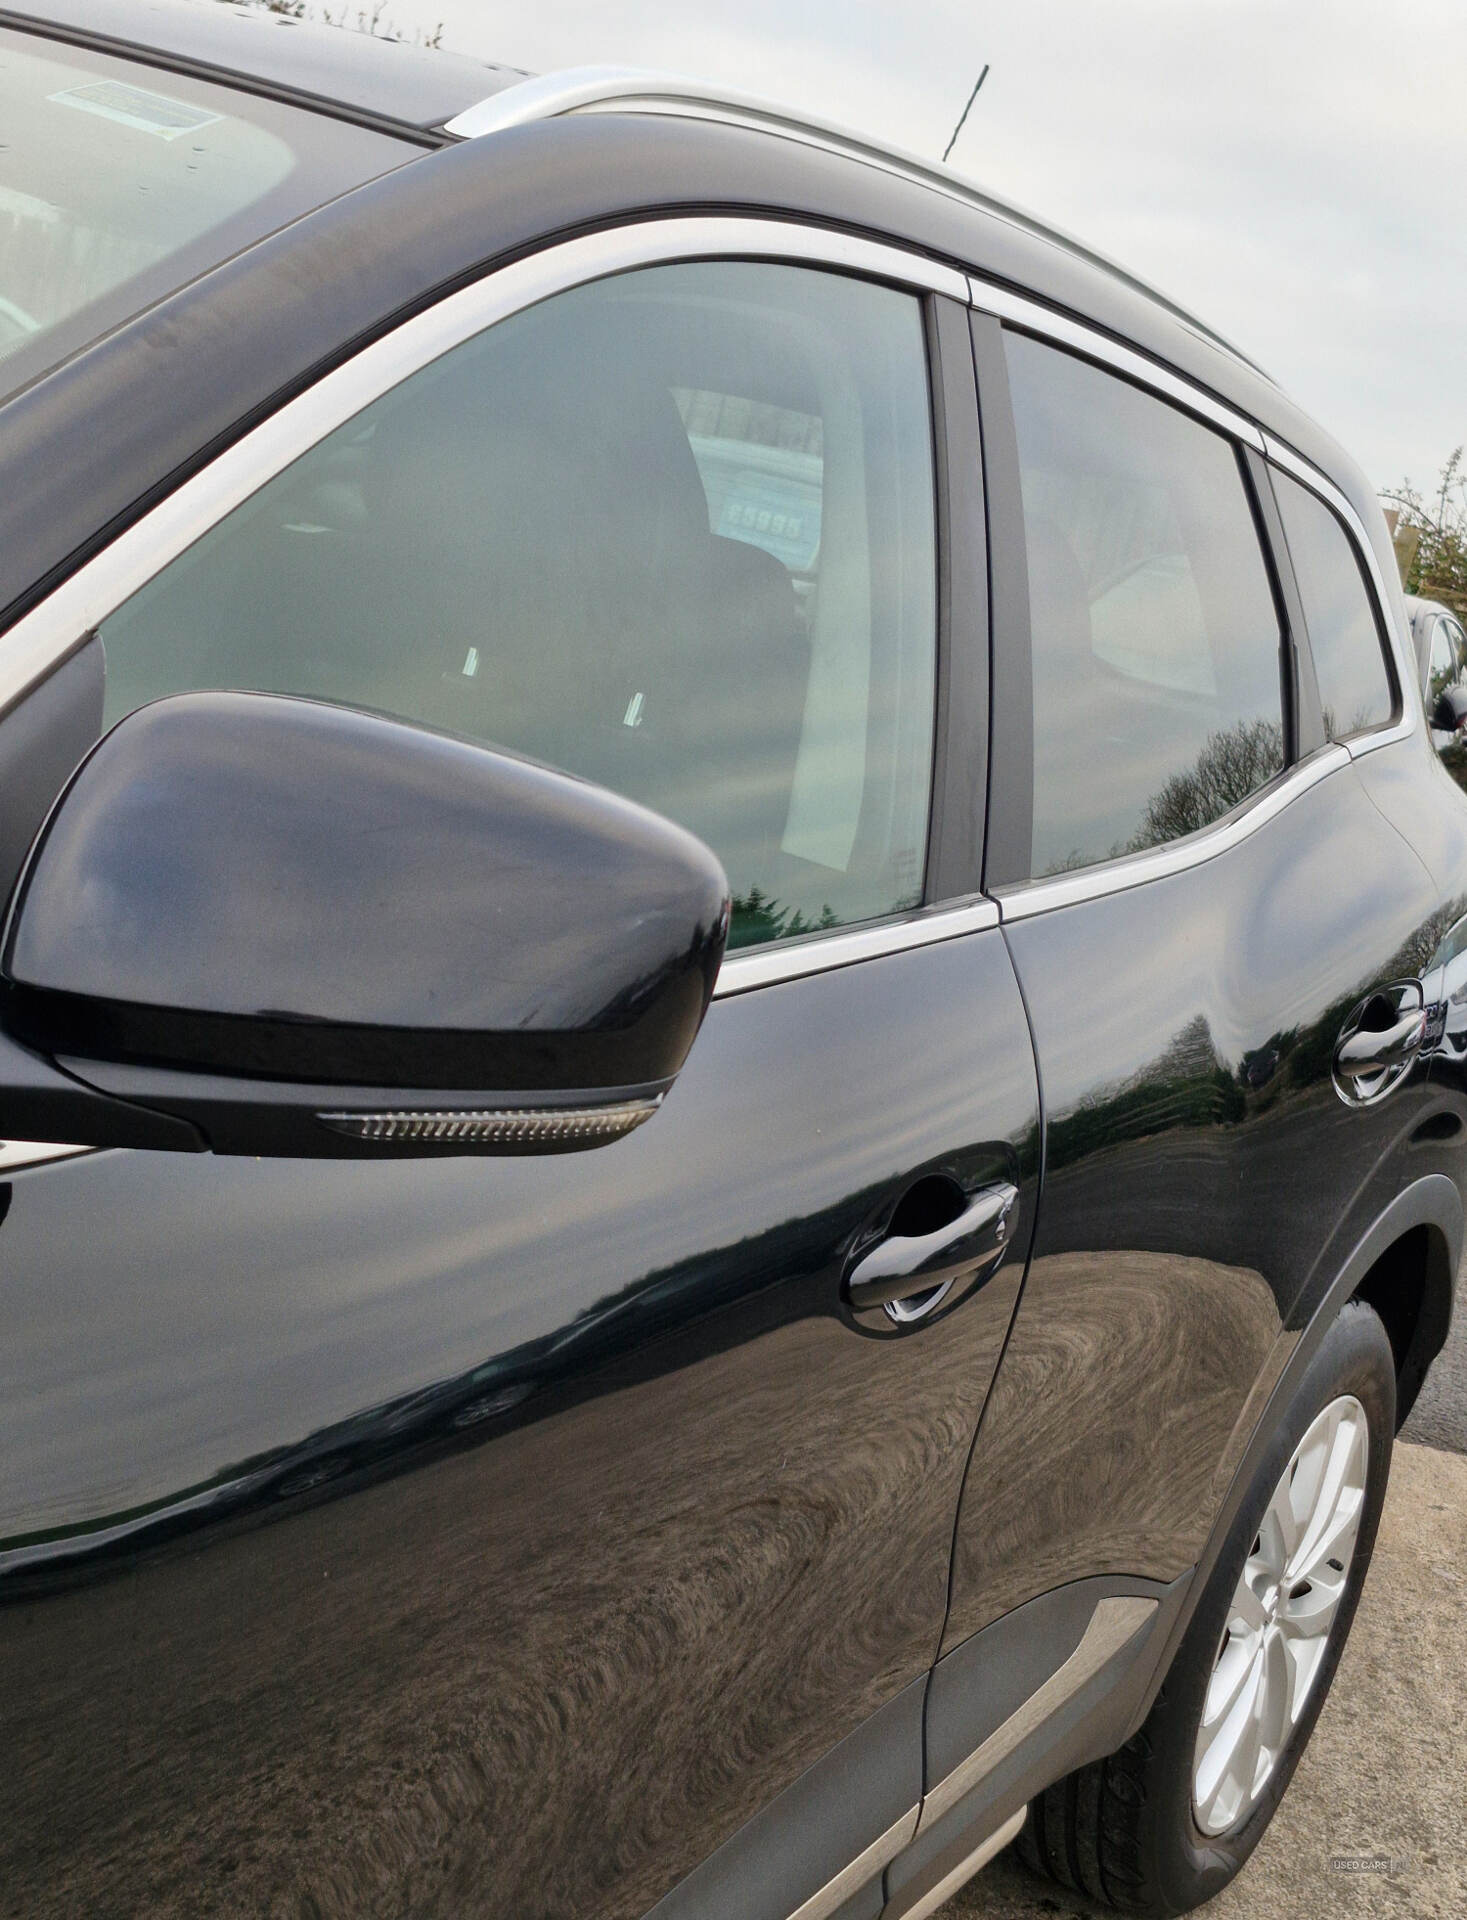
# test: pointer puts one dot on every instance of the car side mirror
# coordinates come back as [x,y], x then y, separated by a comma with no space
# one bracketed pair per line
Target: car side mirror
[273,926]
[1450,711]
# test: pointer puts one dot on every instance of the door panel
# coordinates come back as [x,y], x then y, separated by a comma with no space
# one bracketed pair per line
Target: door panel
[472,1536]
[1203,1182]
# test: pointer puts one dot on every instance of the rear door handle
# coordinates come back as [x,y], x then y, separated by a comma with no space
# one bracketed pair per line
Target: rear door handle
[1364,1053]
[906,1266]
[1380,1043]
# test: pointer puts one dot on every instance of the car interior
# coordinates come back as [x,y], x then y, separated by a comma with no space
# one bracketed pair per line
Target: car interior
[517,546]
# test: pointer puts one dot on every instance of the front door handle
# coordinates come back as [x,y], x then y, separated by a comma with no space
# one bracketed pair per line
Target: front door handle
[911,1274]
[1379,1045]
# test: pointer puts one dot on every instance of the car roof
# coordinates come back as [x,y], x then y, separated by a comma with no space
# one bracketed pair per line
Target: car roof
[357,76]
[446,95]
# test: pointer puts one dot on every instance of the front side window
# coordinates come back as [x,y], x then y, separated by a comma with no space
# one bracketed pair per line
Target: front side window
[671,531]
[1155,636]
[1349,663]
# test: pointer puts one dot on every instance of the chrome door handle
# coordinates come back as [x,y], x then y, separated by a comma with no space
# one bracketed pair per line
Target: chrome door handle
[910,1274]
[1372,1060]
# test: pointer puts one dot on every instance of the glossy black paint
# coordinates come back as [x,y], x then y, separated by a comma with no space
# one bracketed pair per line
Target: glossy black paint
[464,1537]
[41,744]
[1203,1184]
[495,1536]
[241,883]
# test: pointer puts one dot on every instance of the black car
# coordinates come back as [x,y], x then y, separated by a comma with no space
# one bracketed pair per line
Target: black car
[731,913]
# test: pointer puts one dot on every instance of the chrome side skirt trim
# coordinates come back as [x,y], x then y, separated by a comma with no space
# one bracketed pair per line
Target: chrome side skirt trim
[1135,869]
[863,1868]
[1113,1623]
[961,1874]
[767,967]
[16,1155]
[1036,318]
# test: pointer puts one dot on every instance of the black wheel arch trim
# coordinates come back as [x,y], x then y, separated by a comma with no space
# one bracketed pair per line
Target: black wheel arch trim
[1433,1202]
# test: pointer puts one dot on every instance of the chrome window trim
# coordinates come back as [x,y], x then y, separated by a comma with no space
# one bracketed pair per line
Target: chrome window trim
[612,89]
[864,1867]
[1113,1624]
[1034,317]
[1402,652]
[45,635]
[42,638]
[769,966]
[1024,898]
[1027,897]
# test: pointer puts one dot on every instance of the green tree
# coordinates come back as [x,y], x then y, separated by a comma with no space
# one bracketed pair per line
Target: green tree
[1438,569]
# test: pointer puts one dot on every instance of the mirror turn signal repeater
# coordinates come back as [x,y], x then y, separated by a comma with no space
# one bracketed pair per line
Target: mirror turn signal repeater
[508,1126]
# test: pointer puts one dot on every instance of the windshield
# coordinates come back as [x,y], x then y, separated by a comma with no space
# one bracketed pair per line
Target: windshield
[119,183]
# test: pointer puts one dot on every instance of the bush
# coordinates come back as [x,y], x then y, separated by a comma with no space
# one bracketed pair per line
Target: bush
[1438,568]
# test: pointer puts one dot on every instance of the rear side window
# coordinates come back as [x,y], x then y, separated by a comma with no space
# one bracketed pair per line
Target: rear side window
[672,531]
[1155,636]
[1349,662]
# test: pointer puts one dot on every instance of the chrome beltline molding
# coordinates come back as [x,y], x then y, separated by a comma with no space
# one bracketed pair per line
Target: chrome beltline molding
[1034,317]
[768,966]
[1117,876]
[43,637]
[1113,1623]
[864,1867]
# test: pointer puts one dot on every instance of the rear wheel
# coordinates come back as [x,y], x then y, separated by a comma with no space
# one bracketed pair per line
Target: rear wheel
[1164,1823]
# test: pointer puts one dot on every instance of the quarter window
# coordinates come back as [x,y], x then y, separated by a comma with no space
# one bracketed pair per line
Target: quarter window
[1354,685]
[672,531]
[1155,635]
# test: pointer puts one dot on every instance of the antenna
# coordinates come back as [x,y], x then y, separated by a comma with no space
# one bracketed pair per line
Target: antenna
[962,117]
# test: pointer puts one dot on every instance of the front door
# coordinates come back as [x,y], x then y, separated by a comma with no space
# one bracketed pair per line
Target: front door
[501,1536]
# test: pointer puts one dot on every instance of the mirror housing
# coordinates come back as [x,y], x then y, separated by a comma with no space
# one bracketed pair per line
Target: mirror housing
[293,928]
[1450,712]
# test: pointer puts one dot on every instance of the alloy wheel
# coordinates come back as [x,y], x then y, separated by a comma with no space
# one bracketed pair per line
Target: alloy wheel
[1282,1612]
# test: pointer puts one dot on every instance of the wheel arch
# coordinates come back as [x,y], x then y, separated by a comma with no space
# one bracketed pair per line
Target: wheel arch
[1406,1261]
[1410,1285]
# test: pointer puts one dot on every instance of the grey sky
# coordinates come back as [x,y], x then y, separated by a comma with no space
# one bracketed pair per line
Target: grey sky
[1295,170]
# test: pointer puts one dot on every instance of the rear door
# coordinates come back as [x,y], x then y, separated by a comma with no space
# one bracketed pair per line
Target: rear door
[504,1536]
[1200,900]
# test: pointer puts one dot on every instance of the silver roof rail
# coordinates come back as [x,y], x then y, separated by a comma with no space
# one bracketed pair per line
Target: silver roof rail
[644,90]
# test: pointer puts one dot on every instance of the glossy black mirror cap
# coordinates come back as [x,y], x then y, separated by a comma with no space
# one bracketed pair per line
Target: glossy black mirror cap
[243,884]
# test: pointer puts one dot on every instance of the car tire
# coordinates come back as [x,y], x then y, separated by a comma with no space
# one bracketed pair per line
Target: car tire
[1166,1822]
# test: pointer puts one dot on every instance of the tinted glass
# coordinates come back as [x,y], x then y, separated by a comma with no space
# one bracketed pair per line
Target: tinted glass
[1157,702]
[1354,685]
[119,183]
[672,531]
